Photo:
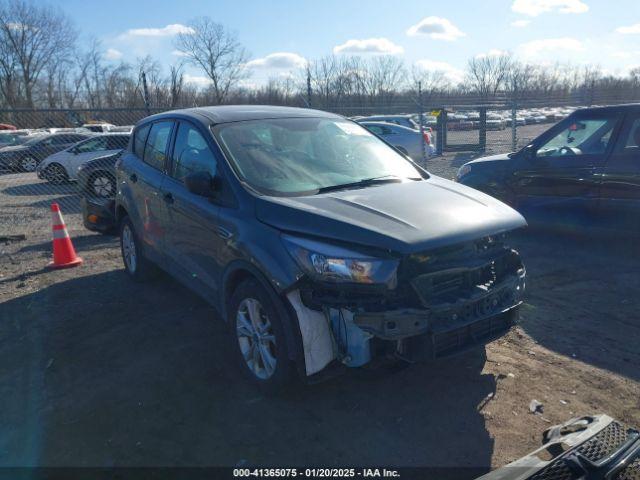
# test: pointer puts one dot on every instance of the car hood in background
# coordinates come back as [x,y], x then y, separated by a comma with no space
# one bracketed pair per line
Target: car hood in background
[401,217]
[490,158]
[13,149]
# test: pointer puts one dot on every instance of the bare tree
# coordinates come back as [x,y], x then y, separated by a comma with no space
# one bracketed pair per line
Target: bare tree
[36,34]
[217,51]
[487,74]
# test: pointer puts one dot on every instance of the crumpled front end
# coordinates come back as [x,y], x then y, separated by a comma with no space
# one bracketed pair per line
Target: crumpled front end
[445,301]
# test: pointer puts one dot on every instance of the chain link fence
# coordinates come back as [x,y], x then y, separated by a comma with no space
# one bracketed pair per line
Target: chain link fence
[39,161]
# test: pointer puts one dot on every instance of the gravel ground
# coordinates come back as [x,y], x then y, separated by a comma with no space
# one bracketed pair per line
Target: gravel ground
[98,371]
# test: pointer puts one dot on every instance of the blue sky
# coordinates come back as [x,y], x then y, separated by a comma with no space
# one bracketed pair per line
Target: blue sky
[434,35]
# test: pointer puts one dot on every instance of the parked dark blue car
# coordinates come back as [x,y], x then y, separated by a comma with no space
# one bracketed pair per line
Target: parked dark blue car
[586,168]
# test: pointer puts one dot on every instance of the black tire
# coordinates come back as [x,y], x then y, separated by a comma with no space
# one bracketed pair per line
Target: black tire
[101,185]
[55,174]
[282,375]
[141,269]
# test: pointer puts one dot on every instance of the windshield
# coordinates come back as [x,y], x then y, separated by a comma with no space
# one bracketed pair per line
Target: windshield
[303,155]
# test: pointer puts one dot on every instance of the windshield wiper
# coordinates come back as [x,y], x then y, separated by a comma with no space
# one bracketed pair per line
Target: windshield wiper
[366,182]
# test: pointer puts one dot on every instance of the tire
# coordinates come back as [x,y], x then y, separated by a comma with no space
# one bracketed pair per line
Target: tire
[55,174]
[28,164]
[101,185]
[135,264]
[259,342]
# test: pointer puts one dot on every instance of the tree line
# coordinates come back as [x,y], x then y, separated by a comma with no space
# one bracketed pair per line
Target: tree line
[43,64]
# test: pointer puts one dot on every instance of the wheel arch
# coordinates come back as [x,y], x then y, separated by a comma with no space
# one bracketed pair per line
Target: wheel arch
[240,271]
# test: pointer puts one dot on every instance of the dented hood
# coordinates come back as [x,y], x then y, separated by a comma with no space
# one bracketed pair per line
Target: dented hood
[401,217]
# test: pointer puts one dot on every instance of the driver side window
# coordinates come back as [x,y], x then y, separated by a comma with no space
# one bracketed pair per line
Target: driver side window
[581,136]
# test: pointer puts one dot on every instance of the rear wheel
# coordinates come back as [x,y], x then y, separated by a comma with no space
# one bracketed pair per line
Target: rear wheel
[28,164]
[136,265]
[56,174]
[258,336]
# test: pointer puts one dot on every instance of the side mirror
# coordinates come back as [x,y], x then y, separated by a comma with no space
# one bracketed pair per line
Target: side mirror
[529,153]
[200,183]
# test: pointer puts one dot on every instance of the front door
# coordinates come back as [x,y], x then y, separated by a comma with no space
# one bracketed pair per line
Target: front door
[561,177]
[192,240]
[620,188]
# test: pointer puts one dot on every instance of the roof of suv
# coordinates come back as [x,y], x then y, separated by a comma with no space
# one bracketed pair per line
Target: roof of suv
[237,113]
[610,108]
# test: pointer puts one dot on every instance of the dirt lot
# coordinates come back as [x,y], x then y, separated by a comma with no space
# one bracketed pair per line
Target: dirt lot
[98,371]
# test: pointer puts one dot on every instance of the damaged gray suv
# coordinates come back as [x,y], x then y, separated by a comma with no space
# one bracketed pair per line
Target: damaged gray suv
[320,245]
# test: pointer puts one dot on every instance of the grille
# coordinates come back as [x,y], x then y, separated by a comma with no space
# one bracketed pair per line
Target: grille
[475,333]
[604,443]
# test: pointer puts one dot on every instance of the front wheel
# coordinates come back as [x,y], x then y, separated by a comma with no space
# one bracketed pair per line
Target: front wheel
[56,174]
[102,185]
[258,335]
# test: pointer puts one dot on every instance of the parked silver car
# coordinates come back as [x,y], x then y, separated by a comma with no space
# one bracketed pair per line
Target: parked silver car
[63,166]
[407,140]
[402,120]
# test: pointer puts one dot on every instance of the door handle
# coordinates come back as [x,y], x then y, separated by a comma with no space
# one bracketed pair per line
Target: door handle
[168,197]
[224,233]
[133,177]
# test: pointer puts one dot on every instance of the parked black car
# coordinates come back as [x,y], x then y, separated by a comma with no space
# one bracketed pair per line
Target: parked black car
[585,167]
[318,243]
[97,184]
[27,156]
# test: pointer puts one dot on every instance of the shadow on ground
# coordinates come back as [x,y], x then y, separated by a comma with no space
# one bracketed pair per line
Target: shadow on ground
[582,295]
[99,371]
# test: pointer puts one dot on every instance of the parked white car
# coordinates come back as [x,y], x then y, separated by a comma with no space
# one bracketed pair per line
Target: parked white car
[63,166]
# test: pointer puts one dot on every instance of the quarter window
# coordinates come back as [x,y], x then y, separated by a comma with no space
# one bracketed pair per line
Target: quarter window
[191,153]
[93,145]
[156,147]
[140,138]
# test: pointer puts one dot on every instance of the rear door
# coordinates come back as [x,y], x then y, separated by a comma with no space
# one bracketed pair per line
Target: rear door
[619,200]
[564,173]
[145,179]
[192,237]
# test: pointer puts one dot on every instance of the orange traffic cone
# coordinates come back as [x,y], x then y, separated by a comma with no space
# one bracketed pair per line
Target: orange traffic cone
[64,255]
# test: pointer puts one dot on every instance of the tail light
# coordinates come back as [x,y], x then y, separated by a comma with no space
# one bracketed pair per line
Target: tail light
[427,138]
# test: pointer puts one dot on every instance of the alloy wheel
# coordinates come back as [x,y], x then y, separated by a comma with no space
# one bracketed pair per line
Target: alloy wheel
[129,249]
[256,338]
[29,164]
[103,186]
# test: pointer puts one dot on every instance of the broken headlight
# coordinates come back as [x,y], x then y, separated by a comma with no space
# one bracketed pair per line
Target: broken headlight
[332,263]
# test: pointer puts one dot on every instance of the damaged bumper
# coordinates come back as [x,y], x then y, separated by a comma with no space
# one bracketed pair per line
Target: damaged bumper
[437,311]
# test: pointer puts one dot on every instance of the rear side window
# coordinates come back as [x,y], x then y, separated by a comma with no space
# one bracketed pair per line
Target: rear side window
[156,147]
[140,138]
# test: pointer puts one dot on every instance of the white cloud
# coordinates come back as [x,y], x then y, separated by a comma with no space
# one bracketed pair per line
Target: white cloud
[279,60]
[113,54]
[197,80]
[534,8]
[520,23]
[537,47]
[494,52]
[451,73]
[437,28]
[626,54]
[178,53]
[168,31]
[369,45]
[631,29]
